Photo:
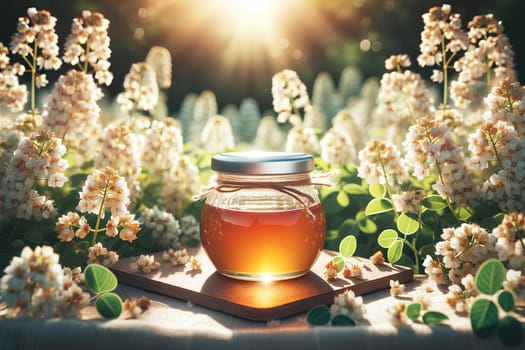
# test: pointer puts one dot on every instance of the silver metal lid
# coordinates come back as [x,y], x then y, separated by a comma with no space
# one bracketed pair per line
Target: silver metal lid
[262,163]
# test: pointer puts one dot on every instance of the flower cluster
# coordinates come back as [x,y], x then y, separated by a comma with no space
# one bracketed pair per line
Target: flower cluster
[442,33]
[35,285]
[98,254]
[403,95]
[408,201]
[379,161]
[457,296]
[135,307]
[515,283]
[88,45]
[36,38]
[189,227]
[430,144]
[217,135]
[269,137]
[377,258]
[72,225]
[501,140]
[13,95]
[396,288]
[164,227]
[396,62]
[145,264]
[159,59]
[289,94]
[433,270]
[510,240]
[489,54]
[354,271]
[38,157]
[119,150]
[72,110]
[463,249]
[141,90]
[180,184]
[348,304]
[176,257]
[301,139]
[504,102]
[337,147]
[106,189]
[162,145]
[194,264]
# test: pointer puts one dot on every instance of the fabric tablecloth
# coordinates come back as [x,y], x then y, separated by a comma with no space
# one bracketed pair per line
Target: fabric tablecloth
[176,324]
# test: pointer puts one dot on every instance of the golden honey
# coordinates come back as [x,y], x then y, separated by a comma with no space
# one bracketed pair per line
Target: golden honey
[263,245]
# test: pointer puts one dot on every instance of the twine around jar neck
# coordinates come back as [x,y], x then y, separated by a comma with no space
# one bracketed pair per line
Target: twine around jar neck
[286,183]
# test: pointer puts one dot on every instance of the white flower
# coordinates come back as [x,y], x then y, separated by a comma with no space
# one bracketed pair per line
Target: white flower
[303,140]
[289,94]
[141,91]
[337,147]
[380,159]
[217,135]
[72,111]
[163,225]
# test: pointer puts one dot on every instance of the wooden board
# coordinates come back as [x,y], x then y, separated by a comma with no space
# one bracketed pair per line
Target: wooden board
[257,301]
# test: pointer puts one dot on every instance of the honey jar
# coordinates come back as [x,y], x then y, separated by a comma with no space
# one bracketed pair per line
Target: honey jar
[262,218]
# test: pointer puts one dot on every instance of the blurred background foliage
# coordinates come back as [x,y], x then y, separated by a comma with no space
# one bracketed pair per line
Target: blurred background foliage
[234,49]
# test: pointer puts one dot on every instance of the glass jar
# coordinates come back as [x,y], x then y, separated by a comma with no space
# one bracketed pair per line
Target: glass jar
[262,219]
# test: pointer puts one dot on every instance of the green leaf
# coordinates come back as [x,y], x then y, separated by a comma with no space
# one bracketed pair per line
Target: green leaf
[347,246]
[109,305]
[434,202]
[378,206]
[146,240]
[34,235]
[413,311]
[387,238]
[365,224]
[483,317]
[510,331]
[354,189]
[463,214]
[100,279]
[348,227]
[331,205]
[377,190]
[342,199]
[319,315]
[339,261]
[506,301]
[490,277]
[407,223]
[434,317]
[342,320]
[395,251]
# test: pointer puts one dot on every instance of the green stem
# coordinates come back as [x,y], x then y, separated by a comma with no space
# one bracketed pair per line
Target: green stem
[387,184]
[440,174]
[33,84]
[416,255]
[495,149]
[445,73]
[85,68]
[97,225]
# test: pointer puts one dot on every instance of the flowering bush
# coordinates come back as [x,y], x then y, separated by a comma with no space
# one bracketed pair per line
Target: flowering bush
[435,186]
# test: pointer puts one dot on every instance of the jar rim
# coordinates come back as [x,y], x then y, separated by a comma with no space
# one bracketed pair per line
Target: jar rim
[263,163]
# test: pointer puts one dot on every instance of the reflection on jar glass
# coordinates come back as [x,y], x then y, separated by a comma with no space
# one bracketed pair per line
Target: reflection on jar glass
[262,219]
